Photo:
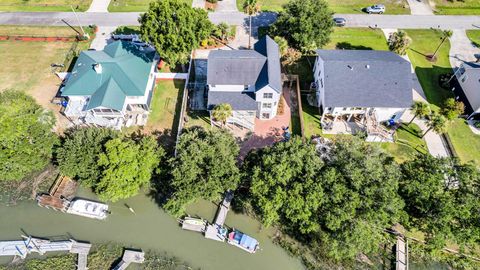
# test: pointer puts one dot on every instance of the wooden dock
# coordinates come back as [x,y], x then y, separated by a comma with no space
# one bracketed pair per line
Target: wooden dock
[223,209]
[82,249]
[401,258]
[62,190]
[130,256]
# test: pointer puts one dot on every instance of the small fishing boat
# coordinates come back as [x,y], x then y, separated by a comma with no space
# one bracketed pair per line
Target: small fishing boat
[194,224]
[243,241]
[88,209]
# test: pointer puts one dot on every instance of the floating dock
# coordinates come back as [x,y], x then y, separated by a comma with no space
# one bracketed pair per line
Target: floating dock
[22,248]
[130,256]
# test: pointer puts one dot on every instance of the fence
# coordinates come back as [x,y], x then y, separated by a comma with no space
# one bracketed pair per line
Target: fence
[448,145]
[183,109]
[72,53]
[37,38]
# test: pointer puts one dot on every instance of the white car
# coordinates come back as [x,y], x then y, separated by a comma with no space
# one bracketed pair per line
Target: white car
[377,9]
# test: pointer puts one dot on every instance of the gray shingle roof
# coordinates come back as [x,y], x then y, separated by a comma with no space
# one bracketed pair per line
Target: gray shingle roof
[259,67]
[471,85]
[241,101]
[361,78]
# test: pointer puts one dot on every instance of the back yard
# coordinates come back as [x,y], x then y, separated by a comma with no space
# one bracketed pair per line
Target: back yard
[133,5]
[26,65]
[44,5]
[340,6]
[448,7]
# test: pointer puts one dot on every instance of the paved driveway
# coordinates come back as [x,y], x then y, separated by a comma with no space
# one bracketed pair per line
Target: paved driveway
[461,48]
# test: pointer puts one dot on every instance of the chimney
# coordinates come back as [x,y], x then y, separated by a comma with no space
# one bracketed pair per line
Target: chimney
[98,68]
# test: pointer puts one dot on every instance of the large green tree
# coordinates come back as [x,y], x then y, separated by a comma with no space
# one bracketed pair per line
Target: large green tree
[205,167]
[441,196]
[305,24]
[284,184]
[174,28]
[78,156]
[26,137]
[360,183]
[126,165]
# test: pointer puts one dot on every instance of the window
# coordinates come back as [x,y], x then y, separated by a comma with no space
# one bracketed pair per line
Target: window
[267,95]
[321,83]
[267,105]
[265,115]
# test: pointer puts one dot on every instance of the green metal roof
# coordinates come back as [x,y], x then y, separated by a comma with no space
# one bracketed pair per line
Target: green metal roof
[125,72]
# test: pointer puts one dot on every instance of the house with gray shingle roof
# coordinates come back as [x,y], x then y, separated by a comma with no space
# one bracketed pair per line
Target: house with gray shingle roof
[360,90]
[112,87]
[248,80]
[467,87]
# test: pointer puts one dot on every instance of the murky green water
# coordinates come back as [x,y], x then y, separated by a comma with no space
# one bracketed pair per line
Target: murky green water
[149,228]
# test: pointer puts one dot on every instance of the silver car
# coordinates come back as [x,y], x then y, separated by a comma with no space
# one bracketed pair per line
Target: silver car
[339,21]
[376,9]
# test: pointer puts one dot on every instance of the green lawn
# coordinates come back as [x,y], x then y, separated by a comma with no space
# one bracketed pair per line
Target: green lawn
[165,107]
[311,119]
[408,143]
[464,7]
[474,36]
[198,118]
[466,143]
[339,6]
[424,42]
[357,39]
[133,5]
[44,5]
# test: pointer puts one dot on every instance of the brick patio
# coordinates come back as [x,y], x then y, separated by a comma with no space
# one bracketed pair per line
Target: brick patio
[267,132]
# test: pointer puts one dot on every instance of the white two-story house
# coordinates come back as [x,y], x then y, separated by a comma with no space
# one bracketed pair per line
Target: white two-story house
[248,80]
[111,88]
[361,87]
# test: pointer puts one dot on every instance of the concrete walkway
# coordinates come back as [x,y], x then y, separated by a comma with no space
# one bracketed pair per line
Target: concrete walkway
[461,49]
[420,7]
[99,6]
[103,37]
[433,140]
[226,5]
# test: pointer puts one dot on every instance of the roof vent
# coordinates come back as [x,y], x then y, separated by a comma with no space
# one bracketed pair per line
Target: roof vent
[350,67]
[367,66]
[98,68]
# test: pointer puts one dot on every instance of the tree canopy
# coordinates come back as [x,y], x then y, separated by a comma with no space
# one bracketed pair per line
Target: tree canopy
[126,165]
[399,42]
[285,186]
[78,156]
[441,196]
[305,24]
[26,137]
[205,167]
[452,109]
[174,28]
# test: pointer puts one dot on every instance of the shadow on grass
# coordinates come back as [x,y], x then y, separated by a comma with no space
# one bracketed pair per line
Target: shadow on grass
[429,80]
[414,131]
[417,52]
[127,30]
[348,46]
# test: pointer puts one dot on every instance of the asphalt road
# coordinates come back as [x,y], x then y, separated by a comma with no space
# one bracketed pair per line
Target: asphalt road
[238,18]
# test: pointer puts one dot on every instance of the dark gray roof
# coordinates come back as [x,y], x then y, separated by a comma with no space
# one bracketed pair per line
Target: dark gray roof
[241,101]
[471,84]
[259,67]
[362,78]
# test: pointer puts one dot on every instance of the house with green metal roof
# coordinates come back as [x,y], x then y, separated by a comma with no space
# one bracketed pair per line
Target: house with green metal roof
[112,87]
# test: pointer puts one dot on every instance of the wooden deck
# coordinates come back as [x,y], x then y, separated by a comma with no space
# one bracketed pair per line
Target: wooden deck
[223,209]
[59,194]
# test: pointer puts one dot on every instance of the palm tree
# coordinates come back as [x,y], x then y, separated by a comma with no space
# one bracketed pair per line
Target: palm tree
[446,34]
[421,109]
[222,112]
[437,122]
[399,42]
[250,7]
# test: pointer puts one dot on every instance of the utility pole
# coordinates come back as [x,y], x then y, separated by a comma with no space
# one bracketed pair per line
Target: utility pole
[76,16]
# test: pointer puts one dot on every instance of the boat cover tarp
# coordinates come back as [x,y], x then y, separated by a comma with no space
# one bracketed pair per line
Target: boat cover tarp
[248,242]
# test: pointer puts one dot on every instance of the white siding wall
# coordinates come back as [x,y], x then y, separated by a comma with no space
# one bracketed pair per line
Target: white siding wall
[259,97]
[384,114]
[230,88]
[318,74]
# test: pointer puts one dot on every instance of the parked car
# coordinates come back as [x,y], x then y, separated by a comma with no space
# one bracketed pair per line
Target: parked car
[376,9]
[340,21]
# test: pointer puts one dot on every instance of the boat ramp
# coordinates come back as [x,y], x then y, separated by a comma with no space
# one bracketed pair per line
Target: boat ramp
[130,256]
[27,245]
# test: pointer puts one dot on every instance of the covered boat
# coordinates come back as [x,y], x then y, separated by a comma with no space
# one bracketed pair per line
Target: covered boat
[88,208]
[243,241]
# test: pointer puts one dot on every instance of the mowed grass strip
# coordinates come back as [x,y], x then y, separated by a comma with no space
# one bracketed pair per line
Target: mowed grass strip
[133,5]
[464,7]
[357,39]
[340,6]
[474,36]
[465,142]
[44,5]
